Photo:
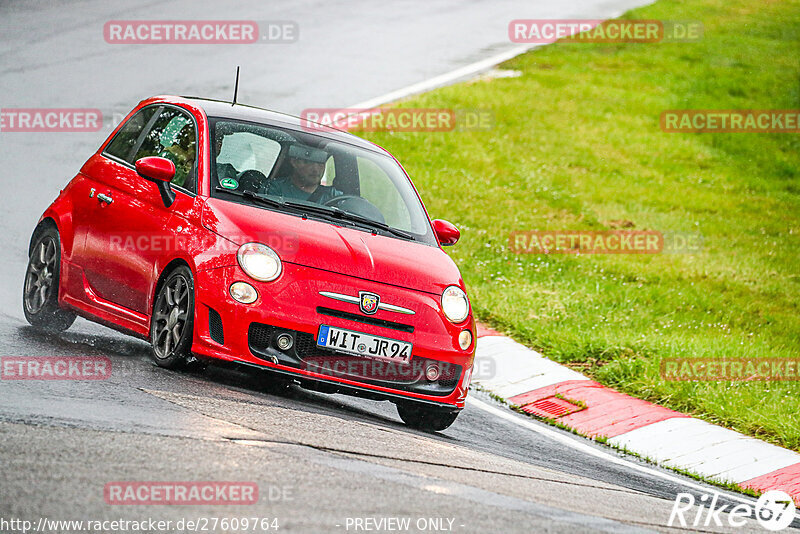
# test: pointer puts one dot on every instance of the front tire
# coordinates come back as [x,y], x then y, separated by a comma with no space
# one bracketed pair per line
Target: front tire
[172,322]
[426,418]
[40,290]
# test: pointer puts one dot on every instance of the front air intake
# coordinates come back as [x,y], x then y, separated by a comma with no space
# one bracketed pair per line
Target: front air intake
[215,329]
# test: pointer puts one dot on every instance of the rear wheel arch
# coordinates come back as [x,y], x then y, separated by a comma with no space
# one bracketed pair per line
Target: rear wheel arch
[44,224]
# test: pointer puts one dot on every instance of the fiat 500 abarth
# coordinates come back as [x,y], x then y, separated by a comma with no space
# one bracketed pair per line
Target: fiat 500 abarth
[227,232]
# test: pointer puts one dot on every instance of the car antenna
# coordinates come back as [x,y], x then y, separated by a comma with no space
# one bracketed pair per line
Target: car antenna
[236,87]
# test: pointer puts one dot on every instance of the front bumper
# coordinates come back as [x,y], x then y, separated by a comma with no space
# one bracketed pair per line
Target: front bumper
[292,304]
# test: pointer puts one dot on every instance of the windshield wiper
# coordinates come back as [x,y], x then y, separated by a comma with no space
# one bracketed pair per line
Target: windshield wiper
[348,216]
[252,196]
[319,210]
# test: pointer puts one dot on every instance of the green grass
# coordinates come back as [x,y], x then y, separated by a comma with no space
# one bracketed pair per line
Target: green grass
[576,144]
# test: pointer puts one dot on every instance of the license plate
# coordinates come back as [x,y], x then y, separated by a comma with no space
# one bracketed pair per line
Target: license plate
[363,344]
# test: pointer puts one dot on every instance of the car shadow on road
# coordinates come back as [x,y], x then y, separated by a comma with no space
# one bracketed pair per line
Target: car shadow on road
[260,385]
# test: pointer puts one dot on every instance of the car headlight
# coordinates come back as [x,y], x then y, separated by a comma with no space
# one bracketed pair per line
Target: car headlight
[455,304]
[259,261]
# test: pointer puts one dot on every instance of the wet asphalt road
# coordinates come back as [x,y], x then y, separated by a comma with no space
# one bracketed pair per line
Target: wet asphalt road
[320,461]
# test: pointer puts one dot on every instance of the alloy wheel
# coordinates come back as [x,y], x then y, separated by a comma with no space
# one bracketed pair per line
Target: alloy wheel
[39,281]
[170,316]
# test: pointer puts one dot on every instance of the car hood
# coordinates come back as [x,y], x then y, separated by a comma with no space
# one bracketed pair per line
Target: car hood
[325,246]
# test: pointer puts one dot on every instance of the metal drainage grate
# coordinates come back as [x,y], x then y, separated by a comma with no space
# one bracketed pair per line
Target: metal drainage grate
[551,407]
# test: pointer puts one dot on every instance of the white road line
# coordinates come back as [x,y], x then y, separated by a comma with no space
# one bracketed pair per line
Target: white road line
[504,413]
[444,79]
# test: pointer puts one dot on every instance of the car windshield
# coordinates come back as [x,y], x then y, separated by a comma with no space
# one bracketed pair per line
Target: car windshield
[311,175]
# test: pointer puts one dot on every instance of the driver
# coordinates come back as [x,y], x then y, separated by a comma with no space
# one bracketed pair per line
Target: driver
[308,166]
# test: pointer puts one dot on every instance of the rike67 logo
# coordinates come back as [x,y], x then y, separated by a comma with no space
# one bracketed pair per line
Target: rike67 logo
[774,510]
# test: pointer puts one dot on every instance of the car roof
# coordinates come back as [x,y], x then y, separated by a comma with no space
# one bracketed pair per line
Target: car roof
[227,110]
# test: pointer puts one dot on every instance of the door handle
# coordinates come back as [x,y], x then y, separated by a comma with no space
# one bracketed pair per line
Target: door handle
[104,198]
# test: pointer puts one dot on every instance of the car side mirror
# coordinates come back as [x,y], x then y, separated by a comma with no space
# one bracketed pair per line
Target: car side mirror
[161,171]
[447,232]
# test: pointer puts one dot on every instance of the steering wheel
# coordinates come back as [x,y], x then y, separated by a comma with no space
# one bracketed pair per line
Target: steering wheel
[358,206]
[335,201]
[252,180]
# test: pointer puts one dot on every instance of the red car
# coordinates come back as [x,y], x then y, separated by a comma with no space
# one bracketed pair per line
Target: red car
[228,232]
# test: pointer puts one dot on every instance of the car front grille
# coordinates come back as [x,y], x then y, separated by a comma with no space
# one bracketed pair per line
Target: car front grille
[306,345]
[260,335]
[305,354]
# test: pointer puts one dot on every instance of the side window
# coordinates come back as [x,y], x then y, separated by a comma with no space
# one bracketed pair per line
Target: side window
[123,143]
[173,137]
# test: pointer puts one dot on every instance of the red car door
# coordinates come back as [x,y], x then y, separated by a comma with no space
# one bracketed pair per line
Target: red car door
[126,222]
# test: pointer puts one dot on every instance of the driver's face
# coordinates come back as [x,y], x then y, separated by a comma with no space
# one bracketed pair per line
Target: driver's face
[308,172]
